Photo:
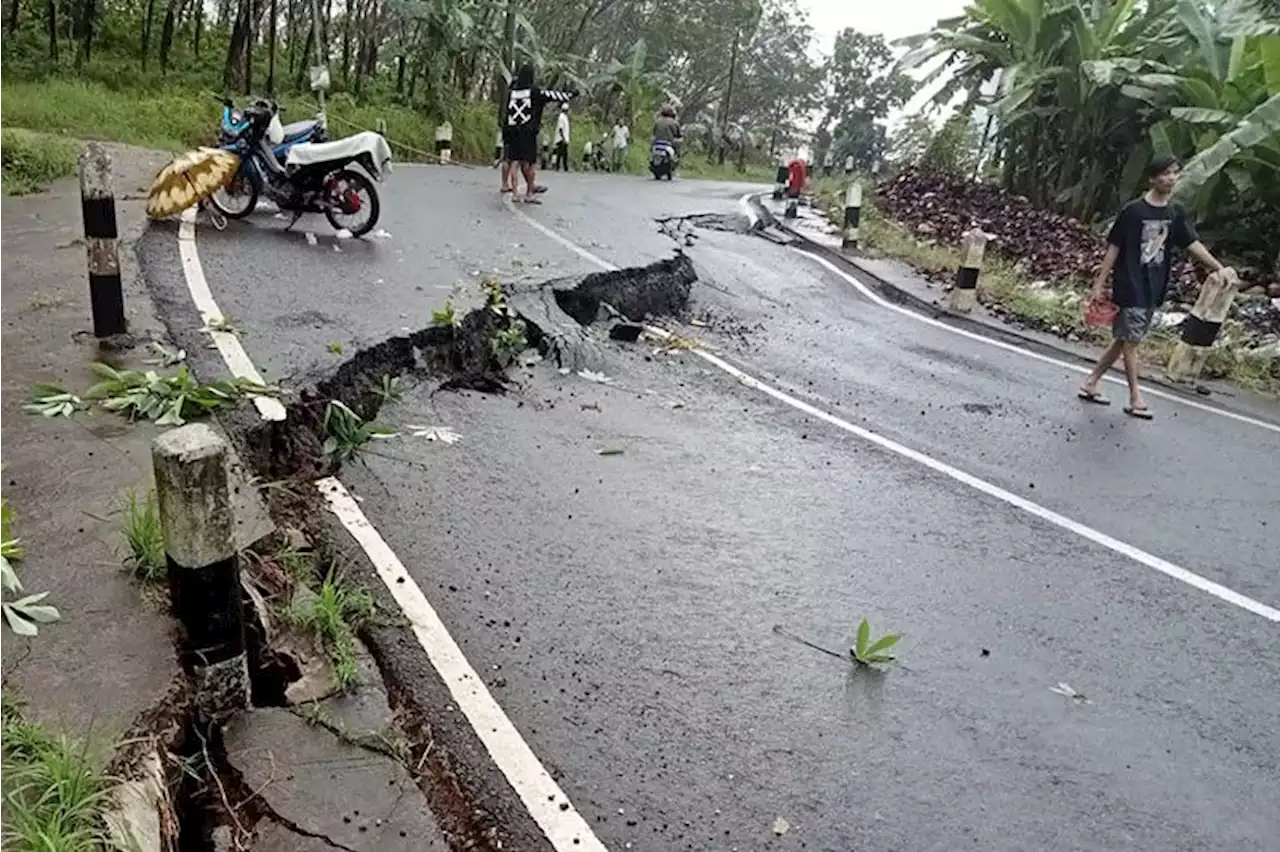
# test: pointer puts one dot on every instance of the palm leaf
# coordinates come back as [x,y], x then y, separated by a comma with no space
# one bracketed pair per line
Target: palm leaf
[1254,128]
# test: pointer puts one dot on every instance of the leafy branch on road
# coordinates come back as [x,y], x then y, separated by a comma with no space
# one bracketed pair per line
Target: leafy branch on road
[512,337]
[446,316]
[24,615]
[388,389]
[868,653]
[52,400]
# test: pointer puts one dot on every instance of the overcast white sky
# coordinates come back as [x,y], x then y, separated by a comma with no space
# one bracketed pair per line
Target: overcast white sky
[891,18]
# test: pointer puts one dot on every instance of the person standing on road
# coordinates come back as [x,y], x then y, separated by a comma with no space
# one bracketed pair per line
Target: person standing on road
[523,118]
[1135,274]
[828,162]
[621,136]
[848,166]
[561,160]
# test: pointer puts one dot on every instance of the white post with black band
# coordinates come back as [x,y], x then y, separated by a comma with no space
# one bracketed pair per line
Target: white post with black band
[964,295]
[1200,328]
[190,465]
[852,216]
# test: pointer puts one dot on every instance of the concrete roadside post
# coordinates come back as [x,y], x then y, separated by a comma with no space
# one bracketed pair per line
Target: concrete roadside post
[98,207]
[852,216]
[1200,328]
[973,243]
[190,465]
[444,142]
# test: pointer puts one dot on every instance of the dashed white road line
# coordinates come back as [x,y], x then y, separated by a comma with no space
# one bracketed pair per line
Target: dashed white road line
[542,796]
[1010,347]
[1061,521]
[228,344]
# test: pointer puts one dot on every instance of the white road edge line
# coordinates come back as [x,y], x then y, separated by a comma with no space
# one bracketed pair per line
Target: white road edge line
[542,797]
[228,344]
[1062,521]
[1078,368]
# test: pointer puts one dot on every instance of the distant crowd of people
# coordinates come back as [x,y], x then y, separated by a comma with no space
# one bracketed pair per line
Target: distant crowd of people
[608,153]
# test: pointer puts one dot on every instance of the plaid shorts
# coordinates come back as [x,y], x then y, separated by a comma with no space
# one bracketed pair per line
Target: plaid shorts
[1132,324]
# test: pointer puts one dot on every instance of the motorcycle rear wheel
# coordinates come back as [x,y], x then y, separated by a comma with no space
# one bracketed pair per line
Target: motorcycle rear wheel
[237,199]
[359,184]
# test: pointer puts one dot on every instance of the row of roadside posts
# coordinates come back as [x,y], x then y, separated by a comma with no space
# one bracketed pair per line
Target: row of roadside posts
[1199,330]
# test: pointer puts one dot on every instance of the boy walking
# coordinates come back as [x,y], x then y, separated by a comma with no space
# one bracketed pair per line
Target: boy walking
[523,117]
[1135,274]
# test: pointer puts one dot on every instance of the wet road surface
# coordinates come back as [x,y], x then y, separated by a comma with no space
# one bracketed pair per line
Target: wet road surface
[622,608]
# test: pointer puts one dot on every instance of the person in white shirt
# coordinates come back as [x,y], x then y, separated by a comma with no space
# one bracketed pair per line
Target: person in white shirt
[828,160]
[562,140]
[848,165]
[621,136]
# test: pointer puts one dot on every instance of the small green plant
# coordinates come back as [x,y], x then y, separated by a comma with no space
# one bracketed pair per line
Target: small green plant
[168,400]
[347,433]
[445,316]
[333,347]
[389,389]
[51,400]
[335,613]
[144,536]
[509,342]
[867,653]
[223,323]
[53,798]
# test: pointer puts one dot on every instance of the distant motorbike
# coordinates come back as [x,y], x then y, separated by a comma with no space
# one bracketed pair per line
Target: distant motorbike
[300,176]
[662,160]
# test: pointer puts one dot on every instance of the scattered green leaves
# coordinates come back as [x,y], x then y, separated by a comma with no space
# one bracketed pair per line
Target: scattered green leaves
[222,323]
[347,433]
[168,400]
[24,615]
[867,653]
[51,400]
[389,389]
[144,536]
[335,613]
[334,347]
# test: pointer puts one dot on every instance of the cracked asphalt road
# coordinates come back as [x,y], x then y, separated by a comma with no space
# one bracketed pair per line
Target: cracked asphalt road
[622,607]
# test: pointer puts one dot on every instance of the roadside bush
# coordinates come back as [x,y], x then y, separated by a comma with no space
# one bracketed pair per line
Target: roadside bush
[31,161]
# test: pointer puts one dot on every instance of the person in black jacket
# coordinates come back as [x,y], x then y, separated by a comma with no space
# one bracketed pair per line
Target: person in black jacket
[523,119]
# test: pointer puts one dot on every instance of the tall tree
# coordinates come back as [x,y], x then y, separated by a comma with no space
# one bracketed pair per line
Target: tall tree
[863,86]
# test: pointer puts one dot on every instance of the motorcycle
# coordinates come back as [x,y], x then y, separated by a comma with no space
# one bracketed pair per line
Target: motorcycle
[234,123]
[662,160]
[300,176]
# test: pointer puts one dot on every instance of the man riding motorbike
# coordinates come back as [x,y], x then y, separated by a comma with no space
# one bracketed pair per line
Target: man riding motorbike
[667,129]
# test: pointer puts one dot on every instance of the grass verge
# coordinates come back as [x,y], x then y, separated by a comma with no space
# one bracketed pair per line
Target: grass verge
[53,798]
[144,536]
[29,161]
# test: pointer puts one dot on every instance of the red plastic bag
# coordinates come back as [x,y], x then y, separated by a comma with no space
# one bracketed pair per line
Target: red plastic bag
[1100,312]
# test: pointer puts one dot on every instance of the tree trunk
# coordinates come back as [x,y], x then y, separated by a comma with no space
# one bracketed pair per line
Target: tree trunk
[251,37]
[14,9]
[199,27]
[346,43]
[728,97]
[146,31]
[86,31]
[53,29]
[233,71]
[400,75]
[271,50]
[166,34]
[291,32]
[306,52]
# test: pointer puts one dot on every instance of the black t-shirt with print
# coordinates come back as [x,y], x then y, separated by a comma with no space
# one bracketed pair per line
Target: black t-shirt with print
[1146,234]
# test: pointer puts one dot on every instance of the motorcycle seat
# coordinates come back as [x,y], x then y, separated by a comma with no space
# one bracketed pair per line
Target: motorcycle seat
[367,143]
[298,129]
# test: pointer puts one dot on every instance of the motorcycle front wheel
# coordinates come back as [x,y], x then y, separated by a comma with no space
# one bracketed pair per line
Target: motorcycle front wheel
[238,198]
[351,202]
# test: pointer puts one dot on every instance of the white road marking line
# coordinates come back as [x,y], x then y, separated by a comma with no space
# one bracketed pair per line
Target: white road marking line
[542,797]
[1078,368]
[571,246]
[228,344]
[749,210]
[1062,521]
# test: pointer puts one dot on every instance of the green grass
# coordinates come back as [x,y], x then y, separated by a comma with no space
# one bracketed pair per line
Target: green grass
[29,162]
[334,614]
[53,798]
[144,537]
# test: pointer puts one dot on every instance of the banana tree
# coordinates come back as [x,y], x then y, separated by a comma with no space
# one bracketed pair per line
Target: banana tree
[637,88]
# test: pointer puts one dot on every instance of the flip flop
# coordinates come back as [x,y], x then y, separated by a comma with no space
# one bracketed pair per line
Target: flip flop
[506,189]
[529,199]
[1093,396]
[1140,413]
[538,188]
